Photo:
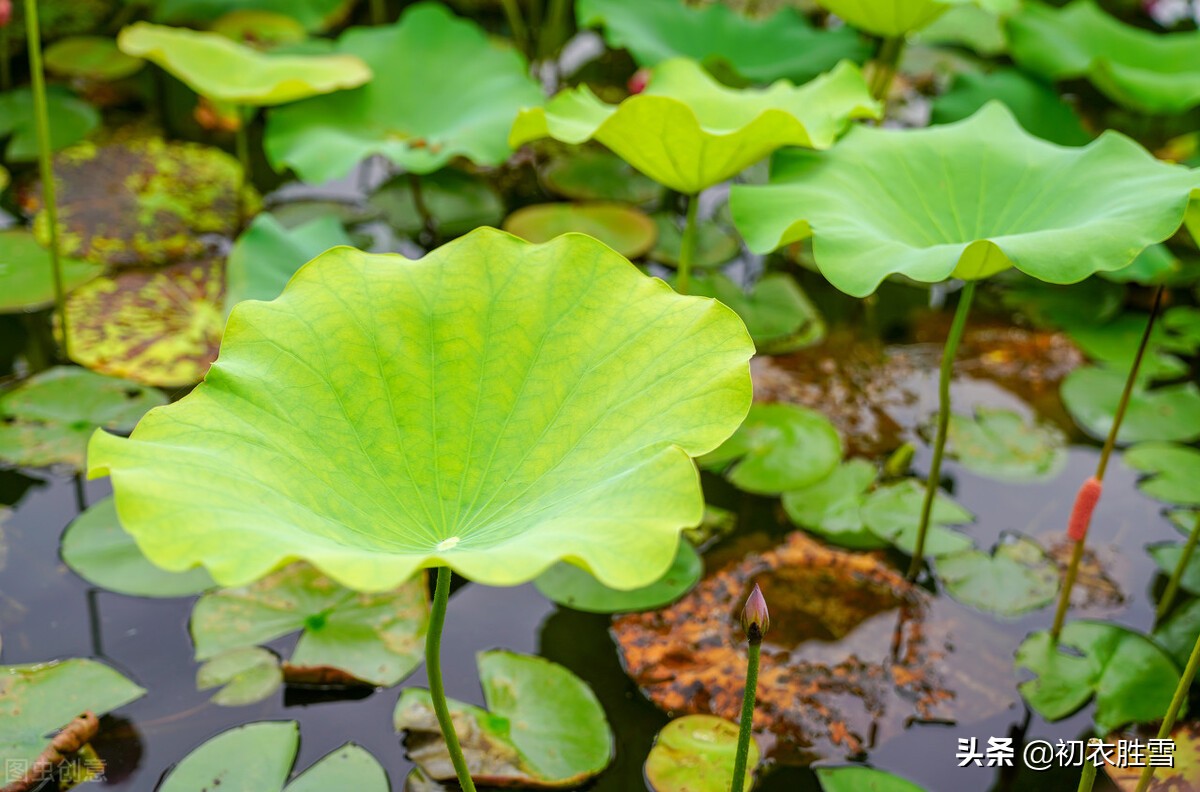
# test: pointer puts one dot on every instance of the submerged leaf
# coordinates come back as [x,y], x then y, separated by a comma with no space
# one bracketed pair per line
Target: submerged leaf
[71,119]
[569,585]
[695,753]
[1017,577]
[27,274]
[1004,445]
[779,447]
[623,228]
[267,255]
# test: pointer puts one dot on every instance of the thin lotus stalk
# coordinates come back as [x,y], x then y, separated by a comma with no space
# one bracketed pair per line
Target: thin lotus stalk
[378,12]
[755,621]
[1089,493]
[437,689]
[1087,779]
[516,24]
[1181,694]
[687,247]
[553,31]
[943,422]
[1172,589]
[45,163]
[428,223]
[887,62]
[241,139]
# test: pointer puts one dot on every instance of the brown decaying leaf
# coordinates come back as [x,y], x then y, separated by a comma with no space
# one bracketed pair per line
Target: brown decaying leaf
[1184,776]
[73,737]
[1095,589]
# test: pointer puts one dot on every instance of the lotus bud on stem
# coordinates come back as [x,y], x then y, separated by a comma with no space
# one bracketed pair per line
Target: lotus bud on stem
[1087,779]
[437,689]
[1185,558]
[1089,493]
[755,621]
[1181,694]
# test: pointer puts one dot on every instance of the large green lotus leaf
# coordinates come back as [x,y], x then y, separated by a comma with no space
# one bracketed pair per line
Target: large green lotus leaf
[832,507]
[543,727]
[968,199]
[214,66]
[267,255]
[71,119]
[494,407]
[689,132]
[456,201]
[259,757]
[315,15]
[428,67]
[48,418]
[41,698]
[569,585]
[1037,106]
[1002,444]
[893,513]
[779,447]
[782,46]
[156,326]
[1131,677]
[97,549]
[779,316]
[1145,71]
[889,18]
[94,58]
[1017,577]
[27,274]
[1168,413]
[375,638]
[623,228]
[1174,471]
[695,753]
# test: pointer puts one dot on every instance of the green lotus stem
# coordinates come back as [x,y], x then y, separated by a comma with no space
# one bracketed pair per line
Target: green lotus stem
[1110,442]
[378,12]
[756,620]
[943,422]
[428,221]
[552,35]
[433,669]
[1168,595]
[887,61]
[241,140]
[1087,779]
[516,23]
[45,163]
[1181,694]
[687,247]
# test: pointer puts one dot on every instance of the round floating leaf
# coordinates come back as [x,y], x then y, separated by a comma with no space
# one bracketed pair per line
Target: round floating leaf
[158,327]
[221,69]
[1131,678]
[779,447]
[543,726]
[315,15]
[571,586]
[494,407]
[1169,413]
[716,132]
[1146,71]
[90,58]
[1181,775]
[779,316]
[267,255]
[832,507]
[695,753]
[929,204]
[27,274]
[782,46]
[1174,471]
[593,174]
[373,638]
[889,18]
[457,202]
[244,675]
[862,779]
[623,228]
[259,756]
[1017,577]
[71,120]
[1002,444]
[893,513]
[1038,107]
[428,67]
[714,245]
[1115,343]
[262,30]
[49,418]
[102,553]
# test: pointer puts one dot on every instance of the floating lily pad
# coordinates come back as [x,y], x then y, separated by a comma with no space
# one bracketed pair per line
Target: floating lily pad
[593,174]
[71,120]
[373,638]
[779,447]
[624,229]
[543,727]
[1146,71]
[1016,578]
[157,326]
[1178,633]
[1115,342]
[782,46]
[243,676]
[458,203]
[1174,471]
[716,132]
[1058,214]
[569,585]
[226,71]
[267,255]
[27,274]
[695,753]
[141,202]
[779,316]
[1168,413]
[315,15]
[1004,445]
[259,756]
[1035,105]
[48,419]
[572,343]
[862,779]
[90,58]
[893,512]
[428,67]
[1131,678]
[714,245]
[832,507]
[102,553]
[1181,775]
[262,30]
[1166,555]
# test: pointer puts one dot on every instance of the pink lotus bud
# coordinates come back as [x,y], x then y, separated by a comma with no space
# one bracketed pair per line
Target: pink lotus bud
[638,82]
[755,618]
[5,12]
[1085,504]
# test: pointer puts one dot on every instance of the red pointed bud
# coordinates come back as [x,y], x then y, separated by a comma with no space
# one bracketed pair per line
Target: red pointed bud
[638,82]
[1085,504]
[755,618]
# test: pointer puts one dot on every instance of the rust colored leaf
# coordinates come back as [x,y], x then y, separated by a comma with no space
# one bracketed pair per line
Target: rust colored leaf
[1096,588]
[1184,776]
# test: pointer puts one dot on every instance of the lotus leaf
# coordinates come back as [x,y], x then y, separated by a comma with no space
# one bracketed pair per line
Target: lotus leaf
[293,214]
[569,585]
[490,424]
[58,18]
[1115,343]
[543,727]
[1178,633]
[779,447]
[48,418]
[1168,413]
[259,756]
[927,204]
[1184,769]
[779,316]
[1017,577]
[623,228]
[889,18]
[90,58]
[1036,106]
[27,274]
[689,132]
[1146,71]
[892,512]
[456,201]
[97,549]
[428,67]
[41,698]
[695,753]
[226,71]
[315,15]
[262,30]
[158,326]
[244,676]
[714,245]
[266,255]
[971,26]
[1001,444]
[71,120]
[1131,677]
[832,507]
[782,46]
[593,174]
[862,779]
[373,638]
[1174,471]
[1157,264]
[1092,301]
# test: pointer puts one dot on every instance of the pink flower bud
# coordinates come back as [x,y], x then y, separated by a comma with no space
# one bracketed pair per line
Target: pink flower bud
[755,618]
[638,82]
[5,12]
